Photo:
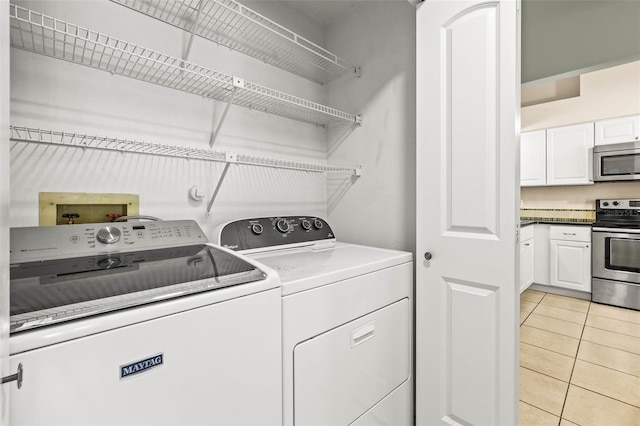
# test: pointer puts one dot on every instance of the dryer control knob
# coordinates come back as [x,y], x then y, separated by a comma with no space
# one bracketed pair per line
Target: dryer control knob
[108,235]
[317,223]
[306,225]
[283,226]
[256,228]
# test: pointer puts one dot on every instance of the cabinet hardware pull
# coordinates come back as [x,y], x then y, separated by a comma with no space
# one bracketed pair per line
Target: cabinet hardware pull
[15,377]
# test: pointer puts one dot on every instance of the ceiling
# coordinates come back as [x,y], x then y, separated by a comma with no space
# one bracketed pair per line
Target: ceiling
[324,12]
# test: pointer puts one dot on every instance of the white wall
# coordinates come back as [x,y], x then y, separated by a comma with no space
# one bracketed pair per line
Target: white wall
[379,208]
[50,93]
[607,93]
[611,92]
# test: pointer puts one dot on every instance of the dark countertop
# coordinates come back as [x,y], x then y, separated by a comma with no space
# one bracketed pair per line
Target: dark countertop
[554,222]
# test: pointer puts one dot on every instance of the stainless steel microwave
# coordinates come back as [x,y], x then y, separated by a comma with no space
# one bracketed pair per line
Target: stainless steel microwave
[620,161]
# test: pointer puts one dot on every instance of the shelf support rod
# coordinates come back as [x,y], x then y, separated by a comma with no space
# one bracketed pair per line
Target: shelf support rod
[230,157]
[224,116]
[193,31]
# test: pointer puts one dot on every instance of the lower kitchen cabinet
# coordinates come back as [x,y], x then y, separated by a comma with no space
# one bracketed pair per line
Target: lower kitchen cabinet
[560,256]
[526,257]
[570,257]
[541,254]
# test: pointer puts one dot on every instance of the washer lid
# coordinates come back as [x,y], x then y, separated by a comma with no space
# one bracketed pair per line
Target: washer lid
[305,268]
[52,291]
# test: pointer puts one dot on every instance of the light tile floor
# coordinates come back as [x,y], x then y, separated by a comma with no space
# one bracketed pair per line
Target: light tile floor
[579,362]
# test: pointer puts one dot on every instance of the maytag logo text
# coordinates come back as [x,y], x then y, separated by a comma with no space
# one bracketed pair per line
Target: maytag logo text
[141,366]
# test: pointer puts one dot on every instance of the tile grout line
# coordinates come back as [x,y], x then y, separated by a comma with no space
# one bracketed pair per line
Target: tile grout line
[541,409]
[564,403]
[605,396]
[607,346]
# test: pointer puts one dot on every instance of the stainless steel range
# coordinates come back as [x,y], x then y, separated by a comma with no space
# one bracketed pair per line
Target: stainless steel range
[616,253]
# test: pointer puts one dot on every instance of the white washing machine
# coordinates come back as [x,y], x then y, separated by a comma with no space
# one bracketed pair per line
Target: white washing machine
[141,324]
[347,321]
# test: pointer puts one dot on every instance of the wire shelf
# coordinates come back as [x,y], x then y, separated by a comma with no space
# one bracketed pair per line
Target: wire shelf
[70,139]
[234,25]
[35,32]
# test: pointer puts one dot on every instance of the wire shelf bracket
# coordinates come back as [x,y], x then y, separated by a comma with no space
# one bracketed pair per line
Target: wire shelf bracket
[42,34]
[231,157]
[214,136]
[234,25]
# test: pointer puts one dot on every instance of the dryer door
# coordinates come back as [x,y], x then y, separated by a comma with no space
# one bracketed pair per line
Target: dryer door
[341,374]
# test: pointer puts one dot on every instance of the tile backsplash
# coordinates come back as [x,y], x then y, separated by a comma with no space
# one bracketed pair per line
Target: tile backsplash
[559,215]
[576,197]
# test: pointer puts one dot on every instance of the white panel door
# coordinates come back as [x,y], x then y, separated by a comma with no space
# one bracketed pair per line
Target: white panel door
[618,130]
[467,273]
[533,158]
[4,211]
[569,155]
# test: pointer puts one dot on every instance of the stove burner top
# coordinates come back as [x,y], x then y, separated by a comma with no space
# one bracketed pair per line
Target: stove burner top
[618,214]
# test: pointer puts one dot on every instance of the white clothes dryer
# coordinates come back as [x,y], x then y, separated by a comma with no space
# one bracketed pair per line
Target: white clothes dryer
[347,314]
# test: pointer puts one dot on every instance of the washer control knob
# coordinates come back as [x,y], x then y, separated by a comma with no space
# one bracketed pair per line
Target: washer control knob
[306,225]
[108,235]
[317,223]
[109,263]
[256,228]
[283,226]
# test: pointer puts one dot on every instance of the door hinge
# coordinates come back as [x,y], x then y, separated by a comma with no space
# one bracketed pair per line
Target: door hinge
[15,377]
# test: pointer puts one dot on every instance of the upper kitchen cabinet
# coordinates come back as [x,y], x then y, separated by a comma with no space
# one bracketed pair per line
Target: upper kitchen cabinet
[569,153]
[617,130]
[533,158]
[237,27]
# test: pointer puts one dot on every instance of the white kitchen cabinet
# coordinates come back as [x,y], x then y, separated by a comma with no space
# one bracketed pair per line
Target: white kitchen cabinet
[541,253]
[617,130]
[527,253]
[533,158]
[570,257]
[569,155]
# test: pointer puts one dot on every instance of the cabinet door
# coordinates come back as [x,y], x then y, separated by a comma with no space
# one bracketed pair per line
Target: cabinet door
[541,256]
[617,130]
[526,264]
[571,265]
[569,155]
[533,158]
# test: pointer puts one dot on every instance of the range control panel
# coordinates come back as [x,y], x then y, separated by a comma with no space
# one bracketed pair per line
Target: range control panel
[251,234]
[64,241]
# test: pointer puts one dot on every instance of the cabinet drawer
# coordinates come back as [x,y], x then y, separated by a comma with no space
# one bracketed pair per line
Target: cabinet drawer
[570,233]
[526,233]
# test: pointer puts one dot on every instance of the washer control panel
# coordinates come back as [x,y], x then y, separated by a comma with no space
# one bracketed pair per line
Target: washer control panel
[251,234]
[48,242]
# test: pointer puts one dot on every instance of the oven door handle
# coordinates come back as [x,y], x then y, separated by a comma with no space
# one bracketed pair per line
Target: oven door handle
[616,230]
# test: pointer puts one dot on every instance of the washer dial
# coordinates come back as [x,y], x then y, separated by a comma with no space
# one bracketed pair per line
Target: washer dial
[283,226]
[108,235]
